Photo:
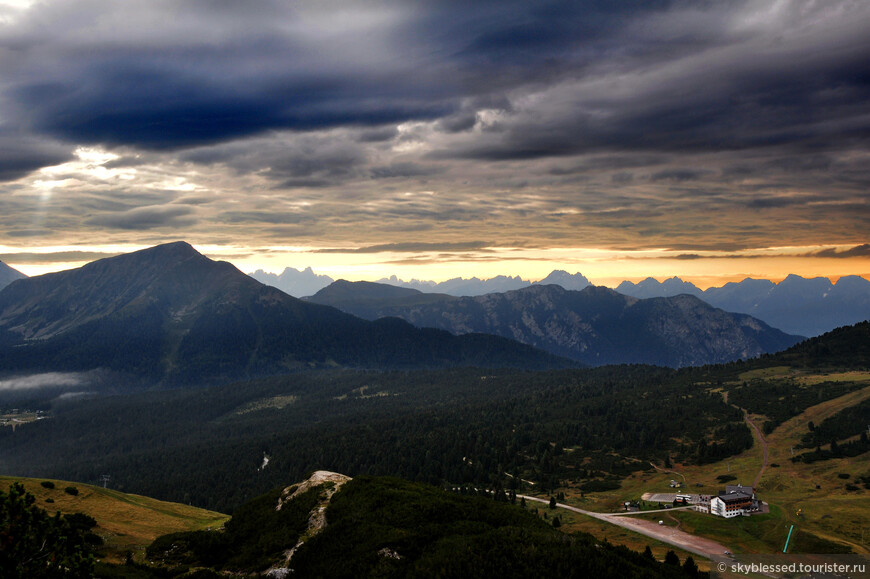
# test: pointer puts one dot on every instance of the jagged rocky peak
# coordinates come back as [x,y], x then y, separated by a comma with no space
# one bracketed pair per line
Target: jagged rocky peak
[569,281]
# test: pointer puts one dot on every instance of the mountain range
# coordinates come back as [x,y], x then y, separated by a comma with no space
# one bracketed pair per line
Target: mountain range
[170,314]
[307,283]
[293,281]
[8,275]
[808,307]
[595,326]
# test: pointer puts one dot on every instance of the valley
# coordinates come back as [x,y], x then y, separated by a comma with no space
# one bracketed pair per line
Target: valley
[217,390]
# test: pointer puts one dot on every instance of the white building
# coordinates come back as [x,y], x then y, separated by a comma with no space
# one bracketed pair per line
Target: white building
[732,504]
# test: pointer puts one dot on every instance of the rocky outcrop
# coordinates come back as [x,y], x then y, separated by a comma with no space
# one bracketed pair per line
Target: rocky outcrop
[331,483]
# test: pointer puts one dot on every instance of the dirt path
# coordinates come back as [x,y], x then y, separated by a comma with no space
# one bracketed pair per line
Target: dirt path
[668,471]
[763,447]
[670,535]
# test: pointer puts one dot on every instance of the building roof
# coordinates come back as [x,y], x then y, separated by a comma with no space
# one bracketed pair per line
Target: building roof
[735,497]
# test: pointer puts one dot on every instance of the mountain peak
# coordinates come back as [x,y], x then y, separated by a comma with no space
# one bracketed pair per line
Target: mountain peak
[853,282]
[575,281]
[362,290]
[173,248]
[8,275]
[793,278]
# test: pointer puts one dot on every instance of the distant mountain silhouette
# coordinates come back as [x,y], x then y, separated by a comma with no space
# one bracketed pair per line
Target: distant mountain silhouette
[595,326]
[8,275]
[307,283]
[294,282]
[569,281]
[477,287]
[169,313]
[797,305]
[652,288]
[806,307]
[460,286]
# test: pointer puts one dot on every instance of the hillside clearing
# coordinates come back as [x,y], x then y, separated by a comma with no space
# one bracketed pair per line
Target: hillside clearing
[125,522]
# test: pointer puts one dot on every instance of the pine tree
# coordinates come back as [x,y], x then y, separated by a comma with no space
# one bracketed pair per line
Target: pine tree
[37,544]
[690,567]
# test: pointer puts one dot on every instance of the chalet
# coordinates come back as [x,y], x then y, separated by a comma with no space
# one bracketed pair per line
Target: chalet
[734,501]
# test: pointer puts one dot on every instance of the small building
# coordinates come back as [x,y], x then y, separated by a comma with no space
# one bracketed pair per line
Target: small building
[734,501]
[732,505]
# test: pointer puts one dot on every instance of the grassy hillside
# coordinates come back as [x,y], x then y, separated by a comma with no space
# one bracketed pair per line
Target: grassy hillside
[125,522]
[830,495]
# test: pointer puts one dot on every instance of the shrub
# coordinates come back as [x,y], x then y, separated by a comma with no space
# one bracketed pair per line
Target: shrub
[71,491]
[600,486]
[47,484]
[37,544]
[843,475]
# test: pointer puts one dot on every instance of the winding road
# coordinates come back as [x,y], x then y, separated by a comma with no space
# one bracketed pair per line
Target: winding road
[670,535]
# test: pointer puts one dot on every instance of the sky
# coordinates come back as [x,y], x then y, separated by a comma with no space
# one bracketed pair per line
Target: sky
[438,139]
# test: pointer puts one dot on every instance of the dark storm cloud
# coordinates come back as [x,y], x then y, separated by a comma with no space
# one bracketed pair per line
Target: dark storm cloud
[857,251]
[860,251]
[587,121]
[21,154]
[182,73]
[316,160]
[403,170]
[412,247]
[272,217]
[678,175]
[605,76]
[378,135]
[458,122]
[29,232]
[143,218]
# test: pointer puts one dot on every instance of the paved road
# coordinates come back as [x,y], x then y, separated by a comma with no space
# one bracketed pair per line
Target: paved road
[670,535]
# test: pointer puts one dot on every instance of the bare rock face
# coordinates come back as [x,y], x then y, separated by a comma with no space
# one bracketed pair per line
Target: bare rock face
[331,483]
[319,478]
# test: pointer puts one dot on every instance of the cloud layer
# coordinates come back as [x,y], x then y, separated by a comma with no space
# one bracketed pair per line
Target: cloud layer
[46,380]
[682,125]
